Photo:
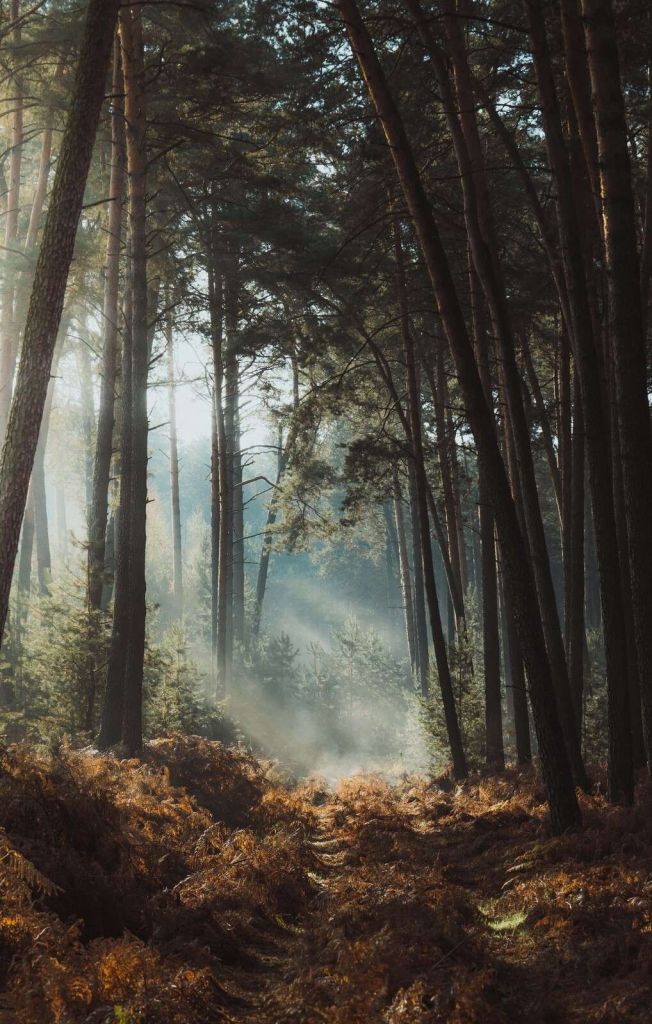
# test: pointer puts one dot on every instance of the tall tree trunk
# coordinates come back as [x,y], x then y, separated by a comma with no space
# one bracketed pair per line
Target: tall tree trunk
[495,754]
[626,334]
[26,552]
[113,703]
[460,769]
[41,530]
[51,276]
[134,81]
[404,572]
[585,351]
[98,512]
[544,424]
[225,555]
[215,533]
[421,647]
[229,499]
[174,472]
[87,409]
[8,325]
[445,444]
[515,682]
[556,769]
[266,549]
[238,527]
[576,635]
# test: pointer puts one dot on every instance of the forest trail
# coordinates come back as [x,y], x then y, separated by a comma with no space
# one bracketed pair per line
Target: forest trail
[194,887]
[432,908]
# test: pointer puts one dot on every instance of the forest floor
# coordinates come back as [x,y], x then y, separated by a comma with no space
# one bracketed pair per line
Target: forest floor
[196,886]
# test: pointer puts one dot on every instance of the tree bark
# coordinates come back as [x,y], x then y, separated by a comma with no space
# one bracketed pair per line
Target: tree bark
[113,704]
[421,646]
[216,309]
[404,572]
[495,753]
[177,578]
[97,519]
[8,324]
[576,634]
[134,81]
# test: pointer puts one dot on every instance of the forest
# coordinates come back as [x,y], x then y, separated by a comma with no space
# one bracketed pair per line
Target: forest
[325,512]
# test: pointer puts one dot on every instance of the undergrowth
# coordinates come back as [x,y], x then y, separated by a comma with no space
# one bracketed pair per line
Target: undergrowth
[194,886]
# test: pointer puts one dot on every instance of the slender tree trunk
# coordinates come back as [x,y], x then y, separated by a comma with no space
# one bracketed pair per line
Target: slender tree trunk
[41,530]
[566,474]
[238,527]
[556,769]
[113,705]
[460,769]
[421,648]
[97,519]
[404,571]
[266,549]
[51,276]
[576,635]
[26,551]
[444,445]
[134,79]
[87,409]
[225,554]
[8,325]
[544,423]
[495,754]
[516,682]
[215,533]
[174,473]
[626,333]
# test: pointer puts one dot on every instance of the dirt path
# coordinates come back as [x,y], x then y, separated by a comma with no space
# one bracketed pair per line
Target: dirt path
[427,908]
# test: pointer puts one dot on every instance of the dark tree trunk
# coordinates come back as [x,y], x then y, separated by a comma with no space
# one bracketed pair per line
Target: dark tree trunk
[98,512]
[421,648]
[554,758]
[544,423]
[8,323]
[26,550]
[177,560]
[404,572]
[576,635]
[460,769]
[113,704]
[225,554]
[495,754]
[266,549]
[51,276]
[134,79]
[215,533]
[445,443]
